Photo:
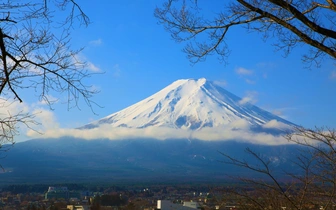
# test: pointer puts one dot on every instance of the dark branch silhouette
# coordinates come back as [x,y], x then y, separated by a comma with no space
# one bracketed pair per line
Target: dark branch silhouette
[35,54]
[291,23]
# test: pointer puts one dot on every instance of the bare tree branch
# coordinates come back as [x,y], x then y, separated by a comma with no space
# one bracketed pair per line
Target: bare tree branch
[290,22]
[35,53]
[313,182]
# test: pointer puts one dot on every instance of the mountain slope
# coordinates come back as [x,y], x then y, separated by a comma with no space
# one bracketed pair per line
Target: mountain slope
[189,105]
[68,160]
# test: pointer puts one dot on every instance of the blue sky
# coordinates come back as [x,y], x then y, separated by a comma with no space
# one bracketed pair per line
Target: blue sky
[138,58]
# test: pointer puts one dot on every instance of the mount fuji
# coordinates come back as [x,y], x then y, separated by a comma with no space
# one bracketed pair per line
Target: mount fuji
[192,107]
[173,135]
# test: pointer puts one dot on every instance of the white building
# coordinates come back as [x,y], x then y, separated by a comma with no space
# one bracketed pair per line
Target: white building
[78,207]
[168,205]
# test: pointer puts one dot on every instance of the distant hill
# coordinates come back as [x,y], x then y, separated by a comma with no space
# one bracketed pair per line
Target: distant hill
[141,160]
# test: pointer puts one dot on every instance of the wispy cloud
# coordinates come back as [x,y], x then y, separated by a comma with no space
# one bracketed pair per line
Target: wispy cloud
[82,62]
[46,118]
[116,70]
[92,67]
[96,42]
[251,97]
[265,68]
[278,112]
[10,107]
[333,75]
[284,112]
[243,71]
[48,100]
[275,124]
[221,83]
[247,74]
[40,120]
[249,81]
[239,130]
[268,65]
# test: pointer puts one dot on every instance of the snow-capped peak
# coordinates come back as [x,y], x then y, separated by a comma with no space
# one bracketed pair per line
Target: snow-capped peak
[188,104]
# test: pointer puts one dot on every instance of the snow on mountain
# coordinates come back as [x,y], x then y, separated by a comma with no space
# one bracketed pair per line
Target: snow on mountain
[190,104]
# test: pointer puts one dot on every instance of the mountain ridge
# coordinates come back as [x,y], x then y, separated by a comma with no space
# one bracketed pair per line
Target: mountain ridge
[189,104]
[187,109]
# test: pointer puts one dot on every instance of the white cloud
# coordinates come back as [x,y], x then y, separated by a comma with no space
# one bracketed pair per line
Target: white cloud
[221,83]
[243,71]
[10,108]
[22,111]
[116,70]
[46,118]
[46,121]
[92,67]
[278,112]
[246,100]
[265,75]
[275,124]
[95,88]
[82,62]
[48,99]
[284,112]
[239,124]
[268,65]
[237,130]
[333,75]
[251,82]
[251,97]
[96,42]
[39,120]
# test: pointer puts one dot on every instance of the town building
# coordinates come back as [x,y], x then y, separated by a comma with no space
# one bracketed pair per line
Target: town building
[60,193]
[168,205]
